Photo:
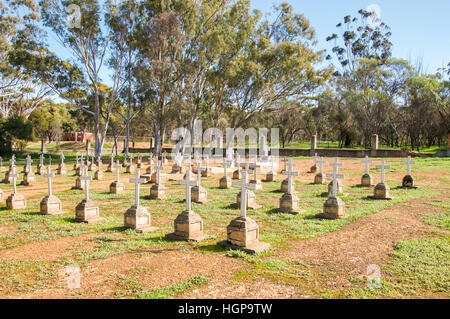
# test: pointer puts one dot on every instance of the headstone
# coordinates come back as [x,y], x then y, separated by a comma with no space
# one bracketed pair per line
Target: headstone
[87,210]
[367,179]
[8,174]
[139,161]
[137,216]
[148,171]
[117,187]
[207,171]
[131,168]
[77,163]
[28,177]
[188,225]
[125,161]
[199,193]
[15,200]
[289,201]
[92,166]
[243,232]
[110,167]
[334,207]
[62,170]
[408,180]
[158,190]
[250,196]
[41,166]
[263,149]
[255,179]
[79,170]
[27,166]
[313,168]
[98,175]
[338,184]
[50,204]
[320,178]
[237,172]
[272,174]
[176,167]
[381,190]
[225,181]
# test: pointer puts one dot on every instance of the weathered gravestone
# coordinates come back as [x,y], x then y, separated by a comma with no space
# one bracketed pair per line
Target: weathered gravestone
[198,193]
[408,180]
[87,210]
[225,181]
[158,190]
[50,204]
[117,187]
[313,168]
[272,174]
[41,167]
[320,178]
[339,185]
[334,207]
[137,216]
[188,225]
[366,179]
[8,177]
[131,168]
[250,196]
[255,180]
[62,170]
[237,173]
[289,201]
[15,200]
[98,175]
[381,190]
[110,166]
[28,177]
[243,232]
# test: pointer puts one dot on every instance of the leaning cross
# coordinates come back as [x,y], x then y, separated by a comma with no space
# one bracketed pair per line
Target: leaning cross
[244,185]
[289,174]
[188,184]
[137,182]
[367,162]
[49,175]
[86,178]
[321,162]
[335,175]
[117,167]
[383,166]
[409,162]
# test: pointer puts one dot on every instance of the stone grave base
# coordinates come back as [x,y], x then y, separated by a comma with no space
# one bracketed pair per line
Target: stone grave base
[257,183]
[98,175]
[381,191]
[320,179]
[366,180]
[139,164]
[237,174]
[284,186]
[207,172]
[188,226]
[28,178]
[75,166]
[177,169]
[333,208]
[78,184]
[199,194]
[92,167]
[313,169]
[61,170]
[271,176]
[138,218]
[51,205]
[116,187]
[408,182]
[8,178]
[339,187]
[243,234]
[88,212]
[131,169]
[40,169]
[109,168]
[164,177]
[79,172]
[289,204]
[16,201]
[225,182]
[175,177]
[148,170]
[158,191]
[251,200]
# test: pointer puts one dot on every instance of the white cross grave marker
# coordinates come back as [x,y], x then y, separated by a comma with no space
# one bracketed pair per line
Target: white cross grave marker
[289,174]
[158,168]
[244,185]
[367,162]
[200,169]
[14,178]
[188,184]
[86,178]
[321,162]
[409,162]
[383,166]
[335,175]
[49,176]
[117,167]
[137,182]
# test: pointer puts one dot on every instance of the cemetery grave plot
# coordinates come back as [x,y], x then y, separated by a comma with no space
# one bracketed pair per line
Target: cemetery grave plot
[407,237]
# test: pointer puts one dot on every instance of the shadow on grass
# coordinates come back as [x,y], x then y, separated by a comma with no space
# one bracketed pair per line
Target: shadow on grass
[277,191]
[212,248]
[115,229]
[32,214]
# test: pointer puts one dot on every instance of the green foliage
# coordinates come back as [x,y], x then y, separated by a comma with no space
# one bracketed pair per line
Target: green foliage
[14,133]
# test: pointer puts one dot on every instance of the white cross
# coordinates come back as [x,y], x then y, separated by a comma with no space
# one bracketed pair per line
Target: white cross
[178,159]
[321,162]
[188,184]
[13,159]
[137,182]
[315,159]
[158,168]
[117,167]
[225,163]
[255,166]
[367,162]
[14,177]
[289,174]
[229,154]
[86,178]
[62,158]
[200,169]
[49,175]
[50,160]
[335,175]
[29,161]
[409,162]
[244,185]
[383,166]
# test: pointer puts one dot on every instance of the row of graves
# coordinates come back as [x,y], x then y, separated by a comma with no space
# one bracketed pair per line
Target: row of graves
[242,232]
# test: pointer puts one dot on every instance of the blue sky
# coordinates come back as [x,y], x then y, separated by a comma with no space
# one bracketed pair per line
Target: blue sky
[420,29]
